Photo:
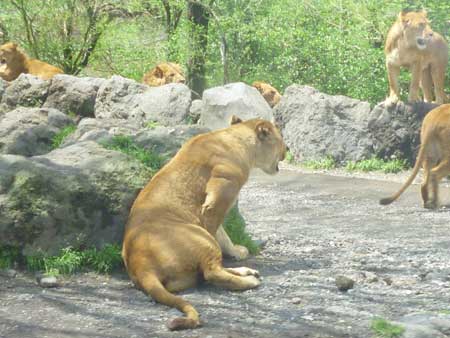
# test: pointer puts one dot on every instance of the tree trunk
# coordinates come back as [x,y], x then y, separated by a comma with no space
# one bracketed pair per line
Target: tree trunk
[199,19]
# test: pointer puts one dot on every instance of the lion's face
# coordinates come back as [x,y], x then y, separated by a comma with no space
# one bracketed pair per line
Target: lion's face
[270,149]
[416,29]
[270,94]
[170,73]
[7,53]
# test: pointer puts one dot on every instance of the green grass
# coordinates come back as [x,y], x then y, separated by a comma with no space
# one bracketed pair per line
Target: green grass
[151,124]
[384,329]
[326,163]
[444,312]
[376,164]
[234,226]
[70,261]
[59,138]
[127,146]
[8,256]
[289,157]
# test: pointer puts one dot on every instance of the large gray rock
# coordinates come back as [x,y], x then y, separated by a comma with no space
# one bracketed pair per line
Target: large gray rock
[126,99]
[425,325]
[395,131]
[220,103]
[3,86]
[30,131]
[316,125]
[165,141]
[27,90]
[75,196]
[73,95]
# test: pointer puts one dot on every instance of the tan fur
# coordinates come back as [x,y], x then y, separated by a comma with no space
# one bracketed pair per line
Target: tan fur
[433,156]
[14,62]
[412,44]
[169,239]
[164,73]
[270,94]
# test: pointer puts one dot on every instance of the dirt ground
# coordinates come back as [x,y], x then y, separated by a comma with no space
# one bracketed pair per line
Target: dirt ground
[317,226]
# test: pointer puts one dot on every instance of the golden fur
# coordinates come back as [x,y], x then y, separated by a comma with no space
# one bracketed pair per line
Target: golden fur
[169,242]
[433,156]
[164,73]
[14,62]
[411,43]
[270,94]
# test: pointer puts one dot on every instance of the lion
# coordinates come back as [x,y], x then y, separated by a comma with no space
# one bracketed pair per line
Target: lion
[169,242]
[270,94]
[164,73]
[14,62]
[433,156]
[411,43]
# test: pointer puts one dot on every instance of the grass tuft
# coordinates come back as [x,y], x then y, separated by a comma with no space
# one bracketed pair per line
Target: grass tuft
[376,164]
[326,163]
[151,124]
[59,138]
[9,256]
[127,146]
[234,226]
[384,329]
[289,157]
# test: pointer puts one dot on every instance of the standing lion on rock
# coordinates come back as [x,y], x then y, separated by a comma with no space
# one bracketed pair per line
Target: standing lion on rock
[14,62]
[164,73]
[412,44]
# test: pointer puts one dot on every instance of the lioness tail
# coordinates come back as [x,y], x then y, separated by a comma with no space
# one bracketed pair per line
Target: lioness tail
[417,165]
[152,285]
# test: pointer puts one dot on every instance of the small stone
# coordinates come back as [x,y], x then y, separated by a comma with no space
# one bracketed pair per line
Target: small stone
[296,300]
[47,281]
[10,273]
[344,283]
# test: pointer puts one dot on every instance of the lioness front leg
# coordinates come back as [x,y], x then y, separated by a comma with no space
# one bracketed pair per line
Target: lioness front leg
[238,252]
[416,75]
[394,91]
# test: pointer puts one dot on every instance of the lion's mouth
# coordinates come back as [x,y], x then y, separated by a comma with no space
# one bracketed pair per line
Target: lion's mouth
[2,61]
[421,43]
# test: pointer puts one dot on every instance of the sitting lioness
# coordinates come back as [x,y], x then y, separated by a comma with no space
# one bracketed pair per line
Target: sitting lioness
[433,156]
[164,73]
[14,62]
[270,94]
[169,242]
[412,44]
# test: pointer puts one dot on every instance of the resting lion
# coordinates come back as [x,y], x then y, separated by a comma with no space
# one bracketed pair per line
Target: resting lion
[412,44]
[14,62]
[433,156]
[270,94]
[169,242]
[164,73]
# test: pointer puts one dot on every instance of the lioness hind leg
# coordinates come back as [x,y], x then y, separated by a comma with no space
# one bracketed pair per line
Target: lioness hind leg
[436,175]
[424,189]
[221,277]
[427,85]
[438,75]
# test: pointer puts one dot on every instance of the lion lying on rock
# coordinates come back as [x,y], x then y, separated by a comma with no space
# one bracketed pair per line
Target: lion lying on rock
[270,94]
[169,242]
[433,156]
[164,73]
[14,62]
[412,44]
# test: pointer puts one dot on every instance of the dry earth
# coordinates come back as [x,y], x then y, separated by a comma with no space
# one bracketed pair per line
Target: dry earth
[317,226]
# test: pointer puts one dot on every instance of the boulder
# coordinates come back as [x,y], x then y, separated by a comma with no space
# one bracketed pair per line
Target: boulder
[163,140]
[126,99]
[73,95]
[220,103]
[395,131]
[27,91]
[76,196]
[316,125]
[30,131]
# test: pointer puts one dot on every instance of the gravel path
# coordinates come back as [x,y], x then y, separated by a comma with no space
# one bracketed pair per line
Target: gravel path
[317,226]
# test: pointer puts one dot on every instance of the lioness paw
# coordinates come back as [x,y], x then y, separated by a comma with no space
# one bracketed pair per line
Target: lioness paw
[391,101]
[252,282]
[244,271]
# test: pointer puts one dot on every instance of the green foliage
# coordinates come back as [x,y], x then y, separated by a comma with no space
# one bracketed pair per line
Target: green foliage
[234,226]
[384,329]
[59,138]
[151,124]
[127,146]
[289,157]
[8,256]
[326,163]
[70,260]
[376,164]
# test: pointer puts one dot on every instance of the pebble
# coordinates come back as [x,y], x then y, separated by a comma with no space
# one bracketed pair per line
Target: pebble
[344,283]
[47,281]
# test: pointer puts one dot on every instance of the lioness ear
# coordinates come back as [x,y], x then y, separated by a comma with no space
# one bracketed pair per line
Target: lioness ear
[424,12]
[158,72]
[263,130]
[402,17]
[235,120]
